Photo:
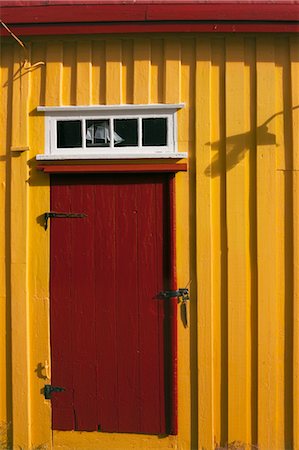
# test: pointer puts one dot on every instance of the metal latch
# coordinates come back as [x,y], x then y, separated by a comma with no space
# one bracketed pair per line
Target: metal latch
[48,389]
[49,215]
[182,293]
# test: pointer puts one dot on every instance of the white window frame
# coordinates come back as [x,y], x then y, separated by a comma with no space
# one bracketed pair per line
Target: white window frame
[102,112]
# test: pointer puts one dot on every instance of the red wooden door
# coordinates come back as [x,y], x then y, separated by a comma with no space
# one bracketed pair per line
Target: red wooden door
[112,339]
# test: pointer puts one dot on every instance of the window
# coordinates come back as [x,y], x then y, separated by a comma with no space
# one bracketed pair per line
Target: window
[120,131]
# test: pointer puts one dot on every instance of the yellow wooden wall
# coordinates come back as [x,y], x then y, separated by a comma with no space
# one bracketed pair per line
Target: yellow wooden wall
[237,213]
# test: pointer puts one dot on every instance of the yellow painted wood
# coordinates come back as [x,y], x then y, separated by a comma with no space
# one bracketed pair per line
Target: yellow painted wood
[285,219]
[294,65]
[83,73]
[16,135]
[187,129]
[98,84]
[113,73]
[250,108]
[5,350]
[187,141]
[127,71]
[172,76]
[38,266]
[269,363]
[20,319]
[216,171]
[236,228]
[115,441]
[69,73]
[237,213]
[172,58]
[53,91]
[142,74]
[157,70]
[205,326]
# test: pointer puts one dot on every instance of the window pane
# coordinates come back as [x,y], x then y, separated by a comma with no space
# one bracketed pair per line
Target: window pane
[154,132]
[125,132]
[97,133]
[69,134]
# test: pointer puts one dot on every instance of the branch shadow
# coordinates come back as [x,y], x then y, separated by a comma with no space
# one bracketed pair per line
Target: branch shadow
[237,146]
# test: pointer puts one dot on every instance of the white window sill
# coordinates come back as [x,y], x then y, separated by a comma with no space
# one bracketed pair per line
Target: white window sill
[54,157]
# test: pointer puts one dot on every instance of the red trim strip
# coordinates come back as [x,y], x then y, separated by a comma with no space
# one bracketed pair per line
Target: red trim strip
[118,28]
[173,311]
[149,12]
[108,168]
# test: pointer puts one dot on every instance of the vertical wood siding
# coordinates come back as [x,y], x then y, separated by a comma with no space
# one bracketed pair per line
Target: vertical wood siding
[237,221]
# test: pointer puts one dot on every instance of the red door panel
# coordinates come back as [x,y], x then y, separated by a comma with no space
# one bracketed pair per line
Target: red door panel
[111,340]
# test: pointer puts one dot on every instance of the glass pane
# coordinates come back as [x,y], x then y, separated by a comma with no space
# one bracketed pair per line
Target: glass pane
[97,133]
[69,134]
[125,133]
[154,132]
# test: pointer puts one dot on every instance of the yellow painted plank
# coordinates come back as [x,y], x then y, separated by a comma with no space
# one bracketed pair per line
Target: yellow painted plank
[127,71]
[69,73]
[186,129]
[83,85]
[269,363]
[38,267]
[294,64]
[285,223]
[18,270]
[19,137]
[16,100]
[5,81]
[216,171]
[54,74]
[237,211]
[157,70]
[113,72]
[186,198]
[98,76]
[172,74]
[142,67]
[250,107]
[205,310]
[37,96]
[5,73]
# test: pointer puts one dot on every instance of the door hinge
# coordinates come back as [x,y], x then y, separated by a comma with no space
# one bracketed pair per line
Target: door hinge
[181,293]
[48,389]
[48,215]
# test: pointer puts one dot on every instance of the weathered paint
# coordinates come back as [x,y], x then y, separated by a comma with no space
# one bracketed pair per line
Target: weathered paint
[236,228]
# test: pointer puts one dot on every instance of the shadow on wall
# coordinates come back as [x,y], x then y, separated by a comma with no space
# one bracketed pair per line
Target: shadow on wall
[239,144]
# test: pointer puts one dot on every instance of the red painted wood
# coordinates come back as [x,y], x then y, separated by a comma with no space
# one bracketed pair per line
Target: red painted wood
[127,308]
[150,254]
[84,299]
[153,27]
[126,168]
[61,308]
[81,13]
[222,11]
[107,358]
[117,331]
[37,3]
[149,11]
[173,368]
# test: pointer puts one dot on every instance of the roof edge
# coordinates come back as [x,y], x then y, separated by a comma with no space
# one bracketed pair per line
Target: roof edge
[128,17]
